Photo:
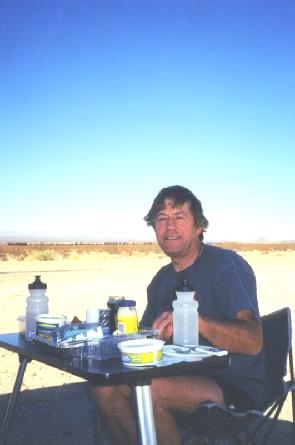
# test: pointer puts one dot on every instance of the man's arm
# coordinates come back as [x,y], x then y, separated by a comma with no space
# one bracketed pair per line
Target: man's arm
[242,335]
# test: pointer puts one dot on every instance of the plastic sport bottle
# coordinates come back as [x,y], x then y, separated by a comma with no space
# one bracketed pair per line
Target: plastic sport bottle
[37,303]
[185,316]
[127,321]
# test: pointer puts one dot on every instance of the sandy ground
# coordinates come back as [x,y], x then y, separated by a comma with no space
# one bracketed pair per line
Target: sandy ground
[55,406]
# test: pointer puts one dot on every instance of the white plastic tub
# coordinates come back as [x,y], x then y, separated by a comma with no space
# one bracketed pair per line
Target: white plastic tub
[47,324]
[143,352]
[21,325]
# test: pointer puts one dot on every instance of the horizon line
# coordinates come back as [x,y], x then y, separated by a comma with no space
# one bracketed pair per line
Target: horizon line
[74,241]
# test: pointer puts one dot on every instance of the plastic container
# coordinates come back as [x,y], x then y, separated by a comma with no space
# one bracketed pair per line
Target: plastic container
[92,315]
[104,320]
[185,317]
[21,325]
[127,321]
[143,352]
[103,348]
[113,304]
[101,316]
[47,324]
[37,303]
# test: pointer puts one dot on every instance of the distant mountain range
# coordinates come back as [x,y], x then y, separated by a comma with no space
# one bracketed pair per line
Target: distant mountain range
[12,237]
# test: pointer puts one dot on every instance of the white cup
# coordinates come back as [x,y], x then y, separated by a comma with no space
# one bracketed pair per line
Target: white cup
[92,315]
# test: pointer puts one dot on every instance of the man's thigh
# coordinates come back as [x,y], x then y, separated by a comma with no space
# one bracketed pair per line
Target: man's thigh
[185,393]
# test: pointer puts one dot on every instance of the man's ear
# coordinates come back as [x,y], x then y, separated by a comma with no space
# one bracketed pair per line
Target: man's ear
[199,230]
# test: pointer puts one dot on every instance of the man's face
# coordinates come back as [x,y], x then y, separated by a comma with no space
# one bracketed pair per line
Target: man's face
[176,231]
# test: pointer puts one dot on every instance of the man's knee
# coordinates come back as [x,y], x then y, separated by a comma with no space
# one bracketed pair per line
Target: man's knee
[108,396]
[185,393]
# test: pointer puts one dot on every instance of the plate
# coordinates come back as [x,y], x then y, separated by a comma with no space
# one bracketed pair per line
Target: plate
[193,353]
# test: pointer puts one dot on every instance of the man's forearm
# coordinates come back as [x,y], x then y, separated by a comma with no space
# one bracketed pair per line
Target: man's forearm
[242,335]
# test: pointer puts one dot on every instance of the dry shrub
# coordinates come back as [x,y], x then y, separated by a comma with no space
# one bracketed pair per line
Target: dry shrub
[48,252]
[260,247]
[44,255]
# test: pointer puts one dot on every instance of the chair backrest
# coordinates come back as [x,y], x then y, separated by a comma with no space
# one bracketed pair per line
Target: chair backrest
[277,337]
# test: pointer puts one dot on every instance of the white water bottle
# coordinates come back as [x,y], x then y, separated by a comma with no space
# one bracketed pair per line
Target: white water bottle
[37,303]
[185,316]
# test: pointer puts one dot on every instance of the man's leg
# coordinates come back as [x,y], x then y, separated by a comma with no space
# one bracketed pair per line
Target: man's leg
[170,395]
[182,395]
[114,403]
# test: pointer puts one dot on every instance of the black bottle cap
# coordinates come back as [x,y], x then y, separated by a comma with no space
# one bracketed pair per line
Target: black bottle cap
[184,286]
[37,284]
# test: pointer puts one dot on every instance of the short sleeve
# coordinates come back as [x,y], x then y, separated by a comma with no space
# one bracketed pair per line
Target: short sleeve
[235,289]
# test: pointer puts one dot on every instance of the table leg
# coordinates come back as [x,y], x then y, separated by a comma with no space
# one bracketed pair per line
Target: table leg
[145,414]
[13,399]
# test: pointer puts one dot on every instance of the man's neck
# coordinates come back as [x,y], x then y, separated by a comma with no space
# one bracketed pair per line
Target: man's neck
[180,263]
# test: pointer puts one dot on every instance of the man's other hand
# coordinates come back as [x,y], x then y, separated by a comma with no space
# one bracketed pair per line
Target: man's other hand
[164,324]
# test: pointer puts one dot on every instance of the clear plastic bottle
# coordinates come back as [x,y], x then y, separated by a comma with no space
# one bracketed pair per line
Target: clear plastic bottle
[127,321]
[185,316]
[37,303]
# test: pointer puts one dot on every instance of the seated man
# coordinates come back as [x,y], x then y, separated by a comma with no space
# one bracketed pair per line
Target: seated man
[228,319]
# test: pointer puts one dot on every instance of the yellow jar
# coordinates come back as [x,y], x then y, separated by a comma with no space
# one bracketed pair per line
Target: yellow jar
[127,321]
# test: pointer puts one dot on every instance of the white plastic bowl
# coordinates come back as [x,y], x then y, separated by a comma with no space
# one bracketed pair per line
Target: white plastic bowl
[143,352]
[21,324]
[47,324]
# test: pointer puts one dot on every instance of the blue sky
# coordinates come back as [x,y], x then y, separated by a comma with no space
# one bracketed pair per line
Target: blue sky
[103,103]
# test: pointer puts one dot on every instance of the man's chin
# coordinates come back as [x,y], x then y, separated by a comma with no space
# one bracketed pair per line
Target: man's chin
[171,251]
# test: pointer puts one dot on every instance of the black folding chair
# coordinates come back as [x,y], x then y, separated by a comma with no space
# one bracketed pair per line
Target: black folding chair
[218,424]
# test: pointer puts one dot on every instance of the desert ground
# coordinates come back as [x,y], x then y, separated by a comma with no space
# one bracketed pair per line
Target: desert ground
[56,407]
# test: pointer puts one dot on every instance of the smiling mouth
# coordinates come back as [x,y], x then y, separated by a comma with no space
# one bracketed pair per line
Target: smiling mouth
[171,238]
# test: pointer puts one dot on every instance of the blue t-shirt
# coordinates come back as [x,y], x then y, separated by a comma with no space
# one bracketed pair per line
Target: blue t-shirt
[225,284]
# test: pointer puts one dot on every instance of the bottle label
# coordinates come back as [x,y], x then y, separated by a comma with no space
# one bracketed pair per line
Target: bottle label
[46,330]
[127,322]
[128,326]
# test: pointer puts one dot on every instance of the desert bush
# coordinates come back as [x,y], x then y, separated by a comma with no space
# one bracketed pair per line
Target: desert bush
[261,247]
[47,252]
[44,255]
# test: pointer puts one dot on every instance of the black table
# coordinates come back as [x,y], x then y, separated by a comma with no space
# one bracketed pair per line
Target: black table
[103,372]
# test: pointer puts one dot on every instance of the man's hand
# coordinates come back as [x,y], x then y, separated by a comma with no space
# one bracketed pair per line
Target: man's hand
[164,324]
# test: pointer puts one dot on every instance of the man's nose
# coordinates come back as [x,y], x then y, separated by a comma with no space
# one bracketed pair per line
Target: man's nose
[170,221]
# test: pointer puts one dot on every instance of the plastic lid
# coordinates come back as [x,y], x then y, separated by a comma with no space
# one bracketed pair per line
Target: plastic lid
[126,303]
[184,286]
[37,284]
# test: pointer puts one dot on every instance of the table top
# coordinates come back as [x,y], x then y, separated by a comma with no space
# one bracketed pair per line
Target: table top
[111,371]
